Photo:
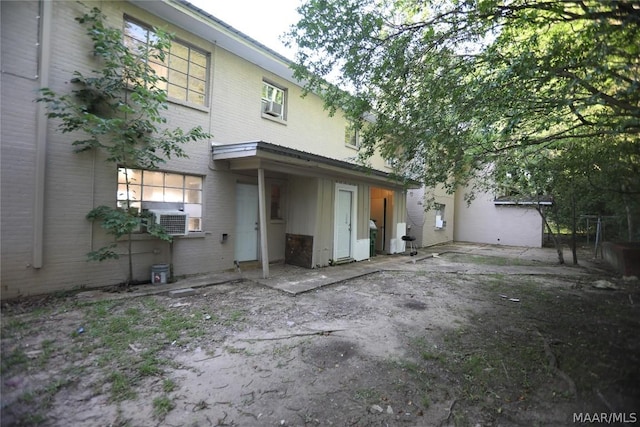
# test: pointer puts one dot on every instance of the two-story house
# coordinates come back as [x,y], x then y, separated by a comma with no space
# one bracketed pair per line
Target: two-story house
[277,182]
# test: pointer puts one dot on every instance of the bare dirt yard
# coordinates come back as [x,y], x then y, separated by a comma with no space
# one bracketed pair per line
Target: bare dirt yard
[454,340]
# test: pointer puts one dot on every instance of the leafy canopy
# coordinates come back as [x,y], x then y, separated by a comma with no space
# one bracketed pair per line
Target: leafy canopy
[457,85]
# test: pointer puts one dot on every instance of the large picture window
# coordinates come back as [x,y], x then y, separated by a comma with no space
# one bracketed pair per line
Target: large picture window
[156,186]
[184,67]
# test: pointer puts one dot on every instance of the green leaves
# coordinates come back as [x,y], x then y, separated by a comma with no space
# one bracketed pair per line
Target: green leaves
[478,78]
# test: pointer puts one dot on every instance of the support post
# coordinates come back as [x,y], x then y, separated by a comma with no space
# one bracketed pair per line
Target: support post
[264,246]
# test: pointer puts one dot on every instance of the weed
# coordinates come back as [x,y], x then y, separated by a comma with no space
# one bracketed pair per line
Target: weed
[33,418]
[121,387]
[236,316]
[13,360]
[237,350]
[168,385]
[47,350]
[367,394]
[426,402]
[150,365]
[13,327]
[162,406]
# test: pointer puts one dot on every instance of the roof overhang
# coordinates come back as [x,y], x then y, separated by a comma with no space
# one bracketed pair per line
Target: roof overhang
[208,27]
[259,154]
[523,202]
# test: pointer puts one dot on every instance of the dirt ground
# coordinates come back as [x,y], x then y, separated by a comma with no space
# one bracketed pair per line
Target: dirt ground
[456,340]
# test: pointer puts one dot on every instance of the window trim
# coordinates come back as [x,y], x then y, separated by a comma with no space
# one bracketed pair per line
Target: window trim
[439,208]
[281,202]
[140,201]
[282,118]
[351,126]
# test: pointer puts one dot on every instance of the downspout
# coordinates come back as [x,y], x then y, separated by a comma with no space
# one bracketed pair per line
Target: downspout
[44,60]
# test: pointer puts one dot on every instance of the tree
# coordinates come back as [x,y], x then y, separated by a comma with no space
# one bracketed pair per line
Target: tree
[118,110]
[460,85]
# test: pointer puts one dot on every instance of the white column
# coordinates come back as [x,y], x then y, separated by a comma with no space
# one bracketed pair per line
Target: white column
[264,246]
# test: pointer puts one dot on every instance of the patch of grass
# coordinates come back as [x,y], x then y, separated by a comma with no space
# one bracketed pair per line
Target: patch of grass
[162,406]
[122,387]
[125,343]
[168,385]
[13,360]
[234,317]
[13,327]
[173,325]
[33,419]
[237,350]
[368,395]
[47,351]
[150,365]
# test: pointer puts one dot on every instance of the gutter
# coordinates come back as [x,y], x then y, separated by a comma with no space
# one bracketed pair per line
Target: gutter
[44,61]
[255,148]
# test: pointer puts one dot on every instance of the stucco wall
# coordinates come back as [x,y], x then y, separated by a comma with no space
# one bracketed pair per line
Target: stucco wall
[484,222]
[423,223]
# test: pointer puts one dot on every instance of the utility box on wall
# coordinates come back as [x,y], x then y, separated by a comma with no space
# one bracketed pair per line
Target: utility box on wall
[299,250]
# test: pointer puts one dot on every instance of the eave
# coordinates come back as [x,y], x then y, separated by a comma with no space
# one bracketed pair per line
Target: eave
[260,154]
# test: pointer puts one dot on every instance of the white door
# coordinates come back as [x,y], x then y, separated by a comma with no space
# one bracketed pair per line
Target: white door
[344,212]
[246,222]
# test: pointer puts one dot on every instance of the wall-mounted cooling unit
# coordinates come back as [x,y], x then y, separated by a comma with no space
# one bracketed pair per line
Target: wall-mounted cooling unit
[175,223]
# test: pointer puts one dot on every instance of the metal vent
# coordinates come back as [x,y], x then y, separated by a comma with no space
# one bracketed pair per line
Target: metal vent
[175,223]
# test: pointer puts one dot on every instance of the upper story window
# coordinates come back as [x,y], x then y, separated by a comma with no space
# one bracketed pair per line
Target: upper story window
[273,100]
[156,186]
[351,135]
[184,68]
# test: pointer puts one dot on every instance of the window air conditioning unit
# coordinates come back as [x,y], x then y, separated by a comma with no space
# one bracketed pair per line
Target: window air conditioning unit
[175,223]
[273,109]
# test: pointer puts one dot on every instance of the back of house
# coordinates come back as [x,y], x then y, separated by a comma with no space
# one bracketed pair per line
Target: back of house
[278,180]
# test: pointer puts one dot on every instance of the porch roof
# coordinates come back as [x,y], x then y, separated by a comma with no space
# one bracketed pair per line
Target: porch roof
[260,154]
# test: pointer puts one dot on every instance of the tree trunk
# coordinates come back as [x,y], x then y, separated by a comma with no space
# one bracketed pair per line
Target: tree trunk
[556,242]
[130,255]
[627,209]
[574,225]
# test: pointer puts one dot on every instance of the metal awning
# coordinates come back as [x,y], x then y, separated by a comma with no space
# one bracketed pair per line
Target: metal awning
[263,155]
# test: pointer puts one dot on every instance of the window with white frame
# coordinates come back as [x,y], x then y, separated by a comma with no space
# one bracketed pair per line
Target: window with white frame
[351,135]
[184,69]
[440,221]
[273,100]
[167,187]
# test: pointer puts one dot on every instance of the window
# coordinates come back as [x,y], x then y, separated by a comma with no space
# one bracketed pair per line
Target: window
[155,186]
[184,68]
[273,101]
[391,162]
[440,222]
[351,135]
[276,202]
